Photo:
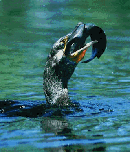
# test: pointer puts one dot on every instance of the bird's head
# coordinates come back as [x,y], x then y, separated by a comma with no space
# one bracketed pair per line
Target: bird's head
[71,49]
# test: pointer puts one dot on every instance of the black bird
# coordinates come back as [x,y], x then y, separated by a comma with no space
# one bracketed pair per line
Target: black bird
[64,56]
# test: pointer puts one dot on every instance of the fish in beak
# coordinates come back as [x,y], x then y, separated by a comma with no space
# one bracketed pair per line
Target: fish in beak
[74,43]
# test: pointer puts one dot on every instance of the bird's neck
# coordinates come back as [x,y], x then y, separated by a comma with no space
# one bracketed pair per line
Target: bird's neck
[55,87]
[55,92]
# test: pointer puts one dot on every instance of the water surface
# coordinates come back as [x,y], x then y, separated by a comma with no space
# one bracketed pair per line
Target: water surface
[101,88]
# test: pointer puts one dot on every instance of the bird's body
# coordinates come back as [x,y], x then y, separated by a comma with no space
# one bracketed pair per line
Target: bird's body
[64,57]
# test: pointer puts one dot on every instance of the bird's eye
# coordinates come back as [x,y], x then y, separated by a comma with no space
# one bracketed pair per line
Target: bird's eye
[62,44]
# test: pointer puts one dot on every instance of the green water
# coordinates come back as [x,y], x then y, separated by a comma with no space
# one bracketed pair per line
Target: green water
[28,29]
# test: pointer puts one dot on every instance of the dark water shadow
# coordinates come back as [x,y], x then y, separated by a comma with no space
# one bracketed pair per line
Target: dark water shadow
[35,109]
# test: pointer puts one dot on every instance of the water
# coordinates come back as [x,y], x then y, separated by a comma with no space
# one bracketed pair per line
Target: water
[102,87]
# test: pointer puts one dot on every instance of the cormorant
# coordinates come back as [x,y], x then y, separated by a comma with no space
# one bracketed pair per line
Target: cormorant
[64,56]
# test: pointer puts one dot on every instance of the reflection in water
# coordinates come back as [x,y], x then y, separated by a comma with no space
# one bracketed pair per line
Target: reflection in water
[61,128]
